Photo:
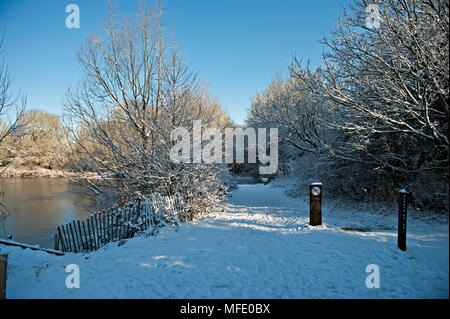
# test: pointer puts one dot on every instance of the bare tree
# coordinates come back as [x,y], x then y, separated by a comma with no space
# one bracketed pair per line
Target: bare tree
[136,89]
[374,117]
[11,108]
[391,84]
[11,112]
[301,117]
[38,144]
[390,88]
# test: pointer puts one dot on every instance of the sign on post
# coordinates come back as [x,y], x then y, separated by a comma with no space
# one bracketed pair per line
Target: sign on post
[315,204]
[402,210]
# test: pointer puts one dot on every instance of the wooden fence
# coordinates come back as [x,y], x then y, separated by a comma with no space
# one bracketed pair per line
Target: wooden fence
[113,224]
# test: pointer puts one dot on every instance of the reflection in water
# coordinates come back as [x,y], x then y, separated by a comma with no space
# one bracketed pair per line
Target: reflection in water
[38,205]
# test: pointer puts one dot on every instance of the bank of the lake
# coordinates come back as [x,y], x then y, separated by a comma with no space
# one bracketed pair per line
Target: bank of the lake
[39,172]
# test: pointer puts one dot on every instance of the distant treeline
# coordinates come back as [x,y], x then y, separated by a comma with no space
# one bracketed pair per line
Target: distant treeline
[39,143]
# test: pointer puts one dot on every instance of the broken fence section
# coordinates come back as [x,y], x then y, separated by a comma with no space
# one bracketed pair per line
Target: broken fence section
[113,224]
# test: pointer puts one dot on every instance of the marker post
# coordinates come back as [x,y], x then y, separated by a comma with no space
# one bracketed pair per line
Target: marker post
[315,204]
[3,268]
[402,210]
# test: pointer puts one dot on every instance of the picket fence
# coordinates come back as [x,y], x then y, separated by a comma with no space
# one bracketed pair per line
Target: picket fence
[117,223]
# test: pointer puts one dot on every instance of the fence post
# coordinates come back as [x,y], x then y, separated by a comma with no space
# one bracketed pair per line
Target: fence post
[3,268]
[402,210]
[315,204]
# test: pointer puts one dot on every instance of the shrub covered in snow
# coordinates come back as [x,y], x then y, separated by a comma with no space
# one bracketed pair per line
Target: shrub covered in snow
[374,118]
[121,116]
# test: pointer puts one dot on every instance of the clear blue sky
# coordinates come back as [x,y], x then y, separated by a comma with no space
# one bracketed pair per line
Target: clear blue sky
[237,47]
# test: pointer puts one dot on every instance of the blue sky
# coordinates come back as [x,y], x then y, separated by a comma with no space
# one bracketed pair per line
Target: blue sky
[237,47]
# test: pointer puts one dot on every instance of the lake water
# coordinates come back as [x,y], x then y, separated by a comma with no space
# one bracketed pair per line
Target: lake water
[38,206]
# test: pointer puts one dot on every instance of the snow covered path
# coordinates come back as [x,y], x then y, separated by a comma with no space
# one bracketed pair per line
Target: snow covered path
[260,246]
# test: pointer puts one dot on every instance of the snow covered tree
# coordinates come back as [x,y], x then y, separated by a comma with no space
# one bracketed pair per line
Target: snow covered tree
[374,117]
[39,142]
[301,118]
[390,84]
[135,91]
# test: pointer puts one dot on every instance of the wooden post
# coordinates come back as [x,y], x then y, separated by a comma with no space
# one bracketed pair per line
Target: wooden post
[128,218]
[110,226]
[91,245]
[86,238]
[102,217]
[108,237]
[61,239]
[68,237]
[134,216]
[138,212]
[94,233]
[111,237]
[114,224]
[97,228]
[73,239]
[402,210]
[106,214]
[315,204]
[122,222]
[102,236]
[3,272]
[118,222]
[76,236]
[82,248]
[66,241]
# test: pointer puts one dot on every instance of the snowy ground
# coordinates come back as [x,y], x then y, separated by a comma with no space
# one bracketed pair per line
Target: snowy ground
[260,246]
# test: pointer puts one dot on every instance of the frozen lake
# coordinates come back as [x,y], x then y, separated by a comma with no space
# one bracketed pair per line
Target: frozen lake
[38,205]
